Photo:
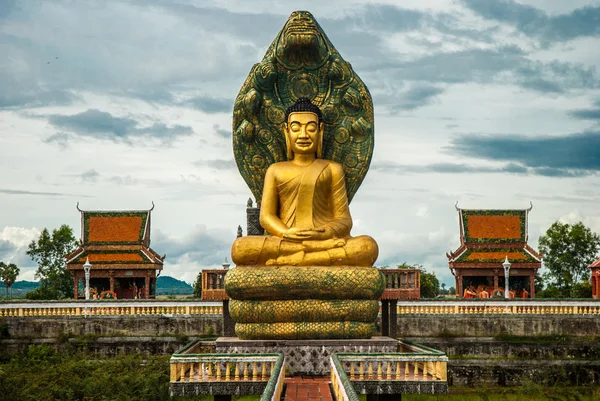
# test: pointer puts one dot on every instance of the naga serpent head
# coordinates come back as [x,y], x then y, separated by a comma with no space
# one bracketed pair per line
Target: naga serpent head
[302,42]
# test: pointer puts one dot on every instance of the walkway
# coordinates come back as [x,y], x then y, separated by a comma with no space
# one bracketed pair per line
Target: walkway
[308,388]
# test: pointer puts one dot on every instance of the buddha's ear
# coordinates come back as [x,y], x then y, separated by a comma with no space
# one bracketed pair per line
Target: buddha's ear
[320,144]
[288,145]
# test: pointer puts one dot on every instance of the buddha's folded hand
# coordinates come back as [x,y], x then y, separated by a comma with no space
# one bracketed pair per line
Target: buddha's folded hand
[303,234]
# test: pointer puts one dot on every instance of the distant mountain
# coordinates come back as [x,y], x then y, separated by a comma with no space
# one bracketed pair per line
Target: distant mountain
[25,285]
[166,285]
[19,288]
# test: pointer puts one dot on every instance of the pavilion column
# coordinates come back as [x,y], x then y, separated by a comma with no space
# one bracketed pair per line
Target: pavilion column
[597,284]
[112,280]
[147,287]
[75,285]
[532,286]
[394,318]
[495,281]
[459,285]
[385,317]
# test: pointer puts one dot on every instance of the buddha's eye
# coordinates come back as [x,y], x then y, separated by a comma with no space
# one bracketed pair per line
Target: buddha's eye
[311,127]
[295,127]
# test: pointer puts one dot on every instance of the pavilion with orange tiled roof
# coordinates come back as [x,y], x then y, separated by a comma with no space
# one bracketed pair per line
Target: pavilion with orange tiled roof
[487,237]
[117,244]
[595,268]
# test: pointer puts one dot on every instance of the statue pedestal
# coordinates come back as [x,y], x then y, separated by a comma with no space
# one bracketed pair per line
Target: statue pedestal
[308,357]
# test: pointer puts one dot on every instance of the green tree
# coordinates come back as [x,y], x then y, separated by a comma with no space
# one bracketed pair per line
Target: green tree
[198,286]
[567,252]
[430,285]
[8,275]
[49,252]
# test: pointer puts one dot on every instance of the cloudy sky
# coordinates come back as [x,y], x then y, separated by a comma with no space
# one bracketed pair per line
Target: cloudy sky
[115,104]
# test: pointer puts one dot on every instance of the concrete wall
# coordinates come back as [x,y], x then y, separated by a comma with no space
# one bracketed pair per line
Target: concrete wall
[415,326]
[112,326]
[106,346]
[484,325]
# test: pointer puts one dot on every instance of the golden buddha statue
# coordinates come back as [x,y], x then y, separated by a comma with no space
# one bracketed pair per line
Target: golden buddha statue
[308,278]
[303,137]
[305,205]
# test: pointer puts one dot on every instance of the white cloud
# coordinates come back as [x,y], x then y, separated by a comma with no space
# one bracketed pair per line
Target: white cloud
[19,236]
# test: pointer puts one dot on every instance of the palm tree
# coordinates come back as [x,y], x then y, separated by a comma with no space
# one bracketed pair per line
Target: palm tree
[8,275]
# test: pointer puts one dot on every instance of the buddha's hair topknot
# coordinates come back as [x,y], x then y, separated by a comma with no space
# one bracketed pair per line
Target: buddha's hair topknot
[303,105]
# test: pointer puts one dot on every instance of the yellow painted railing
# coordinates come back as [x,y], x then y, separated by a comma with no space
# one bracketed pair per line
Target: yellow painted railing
[221,367]
[341,385]
[102,308]
[275,385]
[415,363]
[396,368]
[427,307]
[514,307]
[186,366]
[400,366]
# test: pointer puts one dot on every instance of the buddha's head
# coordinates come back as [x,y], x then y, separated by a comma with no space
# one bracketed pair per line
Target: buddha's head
[303,129]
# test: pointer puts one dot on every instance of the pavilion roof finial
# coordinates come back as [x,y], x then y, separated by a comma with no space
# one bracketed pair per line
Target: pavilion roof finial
[456,206]
[530,206]
[78,207]
[152,208]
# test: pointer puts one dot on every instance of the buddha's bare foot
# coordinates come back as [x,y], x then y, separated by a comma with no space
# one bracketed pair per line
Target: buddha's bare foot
[319,258]
[290,260]
[315,246]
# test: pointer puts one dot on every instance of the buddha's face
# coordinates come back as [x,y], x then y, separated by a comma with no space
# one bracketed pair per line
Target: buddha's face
[304,132]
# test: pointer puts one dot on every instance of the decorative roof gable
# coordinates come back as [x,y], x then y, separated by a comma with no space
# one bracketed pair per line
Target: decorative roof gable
[116,228]
[493,226]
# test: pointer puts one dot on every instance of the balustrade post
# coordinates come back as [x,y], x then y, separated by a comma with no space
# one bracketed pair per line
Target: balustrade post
[182,371]
[173,372]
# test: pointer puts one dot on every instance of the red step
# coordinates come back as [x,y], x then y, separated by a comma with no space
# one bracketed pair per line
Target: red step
[308,388]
